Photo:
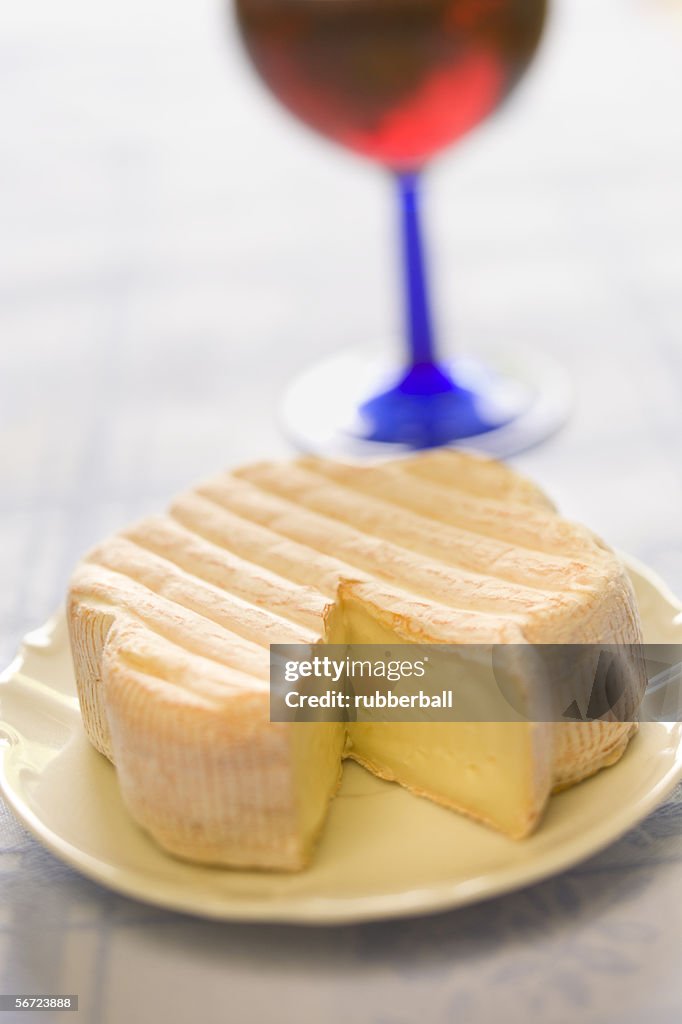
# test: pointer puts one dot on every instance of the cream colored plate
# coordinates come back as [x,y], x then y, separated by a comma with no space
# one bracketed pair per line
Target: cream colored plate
[384,852]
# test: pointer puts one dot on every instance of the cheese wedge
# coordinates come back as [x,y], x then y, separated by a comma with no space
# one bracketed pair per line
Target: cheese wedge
[171,622]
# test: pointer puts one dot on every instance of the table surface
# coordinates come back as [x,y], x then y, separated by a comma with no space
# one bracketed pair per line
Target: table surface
[172,249]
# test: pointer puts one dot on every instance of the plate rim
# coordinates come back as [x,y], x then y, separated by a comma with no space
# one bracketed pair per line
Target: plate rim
[324,911]
[347,910]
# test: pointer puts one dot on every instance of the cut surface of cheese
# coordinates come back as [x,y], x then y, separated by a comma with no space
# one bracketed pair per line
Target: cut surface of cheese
[171,621]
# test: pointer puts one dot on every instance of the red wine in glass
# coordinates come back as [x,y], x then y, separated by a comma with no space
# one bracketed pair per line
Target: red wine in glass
[397,81]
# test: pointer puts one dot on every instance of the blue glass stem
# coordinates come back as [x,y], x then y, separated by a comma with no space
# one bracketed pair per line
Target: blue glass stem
[421,346]
[426,407]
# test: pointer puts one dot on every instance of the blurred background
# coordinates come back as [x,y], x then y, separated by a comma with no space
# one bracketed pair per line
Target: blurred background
[172,249]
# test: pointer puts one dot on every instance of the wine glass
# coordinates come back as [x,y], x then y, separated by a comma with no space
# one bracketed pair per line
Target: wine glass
[397,81]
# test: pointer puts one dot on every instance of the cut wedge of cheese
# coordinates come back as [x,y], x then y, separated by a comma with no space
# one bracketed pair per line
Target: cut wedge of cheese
[171,622]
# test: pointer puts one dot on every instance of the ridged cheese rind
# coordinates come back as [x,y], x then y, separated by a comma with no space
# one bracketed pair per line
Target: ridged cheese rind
[171,621]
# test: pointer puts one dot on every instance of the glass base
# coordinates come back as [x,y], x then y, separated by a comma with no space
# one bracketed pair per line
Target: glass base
[356,405]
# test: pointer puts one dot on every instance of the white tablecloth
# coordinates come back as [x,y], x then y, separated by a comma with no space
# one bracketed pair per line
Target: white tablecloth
[172,248]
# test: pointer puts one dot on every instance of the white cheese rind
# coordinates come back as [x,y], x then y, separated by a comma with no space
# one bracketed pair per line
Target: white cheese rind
[170,623]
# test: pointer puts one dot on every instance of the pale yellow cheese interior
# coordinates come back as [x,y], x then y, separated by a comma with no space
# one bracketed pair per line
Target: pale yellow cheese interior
[497,772]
